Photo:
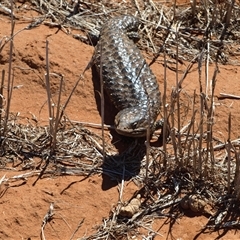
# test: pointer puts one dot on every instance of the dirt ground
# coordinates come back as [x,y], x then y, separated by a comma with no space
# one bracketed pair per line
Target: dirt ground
[75,199]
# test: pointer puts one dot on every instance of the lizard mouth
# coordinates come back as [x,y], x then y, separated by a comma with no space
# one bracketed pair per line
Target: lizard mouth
[140,132]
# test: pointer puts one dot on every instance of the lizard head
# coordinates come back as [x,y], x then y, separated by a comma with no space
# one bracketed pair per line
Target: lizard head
[132,122]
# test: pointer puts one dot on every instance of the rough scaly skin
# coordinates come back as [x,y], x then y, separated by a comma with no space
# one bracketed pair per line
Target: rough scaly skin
[127,78]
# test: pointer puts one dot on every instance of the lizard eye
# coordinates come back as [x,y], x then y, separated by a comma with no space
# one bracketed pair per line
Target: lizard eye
[134,125]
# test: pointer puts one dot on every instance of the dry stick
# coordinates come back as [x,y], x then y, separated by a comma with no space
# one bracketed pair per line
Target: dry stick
[201,159]
[51,115]
[178,101]
[138,8]
[189,67]
[10,76]
[235,142]
[211,120]
[172,130]
[147,149]
[201,112]
[10,39]
[175,146]
[206,5]
[147,142]
[154,6]
[174,9]
[150,230]
[75,86]
[102,103]
[6,10]
[215,13]
[57,117]
[229,152]
[207,90]
[174,99]
[193,6]
[188,143]
[94,125]
[165,112]
[226,95]
[122,185]
[70,95]
[193,140]
[47,78]
[23,176]
[1,101]
[46,219]
[237,175]
[78,226]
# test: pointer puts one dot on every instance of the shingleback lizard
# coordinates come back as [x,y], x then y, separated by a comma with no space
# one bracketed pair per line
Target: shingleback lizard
[127,78]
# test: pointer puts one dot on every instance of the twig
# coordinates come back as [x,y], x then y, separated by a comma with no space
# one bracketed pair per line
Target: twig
[165,114]
[1,103]
[229,151]
[10,79]
[78,226]
[102,104]
[47,218]
[94,125]
[226,95]
[49,96]
[122,185]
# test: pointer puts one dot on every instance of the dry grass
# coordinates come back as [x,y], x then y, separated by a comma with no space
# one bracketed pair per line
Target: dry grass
[192,164]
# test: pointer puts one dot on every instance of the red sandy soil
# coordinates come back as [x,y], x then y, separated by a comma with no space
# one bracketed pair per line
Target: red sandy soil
[24,207]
